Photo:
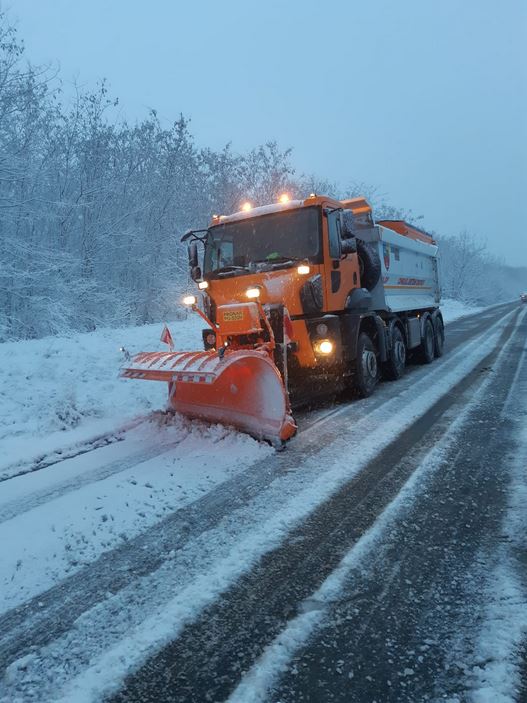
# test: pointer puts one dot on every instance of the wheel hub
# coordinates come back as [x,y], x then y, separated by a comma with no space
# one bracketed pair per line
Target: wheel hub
[400,352]
[369,363]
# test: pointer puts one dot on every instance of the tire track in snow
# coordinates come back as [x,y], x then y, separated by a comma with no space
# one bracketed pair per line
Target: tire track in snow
[310,476]
[210,654]
[491,642]
[144,554]
[21,468]
[55,611]
[439,544]
[35,499]
[58,456]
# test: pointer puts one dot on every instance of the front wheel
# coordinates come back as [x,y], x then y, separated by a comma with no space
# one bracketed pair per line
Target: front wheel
[367,369]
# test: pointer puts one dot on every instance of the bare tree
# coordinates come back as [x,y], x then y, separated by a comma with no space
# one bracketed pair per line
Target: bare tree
[92,207]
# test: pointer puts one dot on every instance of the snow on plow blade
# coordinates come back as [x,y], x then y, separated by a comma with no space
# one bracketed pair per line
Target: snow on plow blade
[243,389]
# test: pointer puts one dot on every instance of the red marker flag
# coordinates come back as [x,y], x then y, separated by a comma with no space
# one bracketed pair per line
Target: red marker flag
[288,327]
[166,337]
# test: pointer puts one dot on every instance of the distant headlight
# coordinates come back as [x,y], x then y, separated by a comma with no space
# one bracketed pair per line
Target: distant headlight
[189,300]
[203,285]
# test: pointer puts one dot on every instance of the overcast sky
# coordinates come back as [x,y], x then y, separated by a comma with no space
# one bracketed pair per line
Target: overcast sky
[426,100]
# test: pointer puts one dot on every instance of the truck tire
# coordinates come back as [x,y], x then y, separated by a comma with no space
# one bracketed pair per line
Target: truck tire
[394,367]
[367,368]
[369,265]
[426,350]
[439,337]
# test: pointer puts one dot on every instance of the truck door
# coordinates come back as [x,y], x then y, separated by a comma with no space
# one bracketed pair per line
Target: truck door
[341,273]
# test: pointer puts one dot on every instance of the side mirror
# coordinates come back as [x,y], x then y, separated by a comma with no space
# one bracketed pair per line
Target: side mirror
[195,270]
[193,255]
[347,224]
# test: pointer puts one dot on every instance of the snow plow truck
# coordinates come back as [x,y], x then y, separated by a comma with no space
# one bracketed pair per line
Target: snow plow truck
[300,298]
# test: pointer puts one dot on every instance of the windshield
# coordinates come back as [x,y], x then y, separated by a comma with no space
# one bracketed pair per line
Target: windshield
[274,240]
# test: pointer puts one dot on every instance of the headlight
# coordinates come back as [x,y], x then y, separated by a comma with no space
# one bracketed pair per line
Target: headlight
[303,270]
[252,292]
[189,300]
[324,347]
[203,285]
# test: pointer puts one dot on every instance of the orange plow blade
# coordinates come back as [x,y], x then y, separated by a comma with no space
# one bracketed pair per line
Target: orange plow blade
[243,388]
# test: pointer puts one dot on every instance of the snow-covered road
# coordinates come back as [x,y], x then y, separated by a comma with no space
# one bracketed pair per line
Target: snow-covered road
[157,546]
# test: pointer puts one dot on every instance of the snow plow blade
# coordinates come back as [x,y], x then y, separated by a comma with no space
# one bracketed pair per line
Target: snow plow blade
[243,388]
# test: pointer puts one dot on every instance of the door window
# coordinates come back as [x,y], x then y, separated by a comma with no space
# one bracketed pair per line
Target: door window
[334,234]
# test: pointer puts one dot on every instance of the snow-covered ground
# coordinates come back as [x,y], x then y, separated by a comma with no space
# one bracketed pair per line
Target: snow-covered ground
[90,516]
[96,503]
[59,391]
[62,390]
[454,309]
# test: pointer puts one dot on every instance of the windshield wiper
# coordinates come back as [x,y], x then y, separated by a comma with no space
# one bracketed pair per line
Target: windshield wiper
[229,269]
[277,261]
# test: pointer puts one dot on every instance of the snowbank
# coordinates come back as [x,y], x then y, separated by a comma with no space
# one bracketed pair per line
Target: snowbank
[454,309]
[59,386]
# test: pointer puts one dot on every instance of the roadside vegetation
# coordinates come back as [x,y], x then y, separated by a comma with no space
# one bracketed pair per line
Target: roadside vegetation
[92,207]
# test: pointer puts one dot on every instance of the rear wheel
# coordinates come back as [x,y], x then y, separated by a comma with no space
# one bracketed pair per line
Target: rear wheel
[367,369]
[426,350]
[395,365]
[439,337]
